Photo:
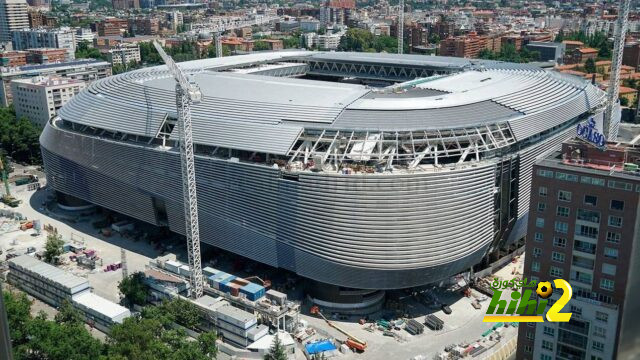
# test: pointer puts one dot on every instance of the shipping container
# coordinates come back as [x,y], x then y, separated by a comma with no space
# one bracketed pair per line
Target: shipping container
[253,291]
[172,266]
[209,271]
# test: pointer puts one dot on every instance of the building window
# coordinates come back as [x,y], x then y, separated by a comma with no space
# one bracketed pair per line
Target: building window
[608,269]
[542,191]
[530,335]
[561,227]
[564,195]
[562,211]
[600,316]
[620,185]
[615,221]
[540,222]
[598,346]
[617,205]
[576,310]
[610,253]
[555,271]
[557,257]
[599,331]
[613,237]
[538,237]
[542,206]
[589,215]
[546,357]
[587,231]
[535,266]
[537,252]
[566,177]
[547,345]
[549,331]
[559,241]
[592,181]
[607,284]
[591,200]
[527,349]
[545,173]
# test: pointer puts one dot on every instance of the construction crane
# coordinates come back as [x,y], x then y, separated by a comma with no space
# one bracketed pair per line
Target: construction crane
[187,93]
[611,121]
[352,341]
[401,27]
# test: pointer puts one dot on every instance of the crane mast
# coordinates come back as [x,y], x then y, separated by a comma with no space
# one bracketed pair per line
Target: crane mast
[401,27]
[187,93]
[612,122]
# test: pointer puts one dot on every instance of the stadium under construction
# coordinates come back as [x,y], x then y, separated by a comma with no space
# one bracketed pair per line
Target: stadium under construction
[362,171]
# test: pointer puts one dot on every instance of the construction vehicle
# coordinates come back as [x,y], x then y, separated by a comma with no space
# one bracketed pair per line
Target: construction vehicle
[265,283]
[7,198]
[352,341]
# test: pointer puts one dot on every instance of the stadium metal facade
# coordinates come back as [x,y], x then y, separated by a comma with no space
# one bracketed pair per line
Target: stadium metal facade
[347,184]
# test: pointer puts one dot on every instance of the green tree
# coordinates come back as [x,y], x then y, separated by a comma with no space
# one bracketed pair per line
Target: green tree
[53,341]
[134,290]
[68,315]
[277,350]
[207,342]
[84,50]
[624,101]
[590,66]
[18,309]
[260,46]
[19,138]
[53,247]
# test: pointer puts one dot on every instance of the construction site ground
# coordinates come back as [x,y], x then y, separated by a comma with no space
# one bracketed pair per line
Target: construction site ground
[464,325]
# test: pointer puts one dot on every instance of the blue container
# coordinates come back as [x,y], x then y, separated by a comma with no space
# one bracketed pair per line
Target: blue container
[253,291]
[223,285]
[220,278]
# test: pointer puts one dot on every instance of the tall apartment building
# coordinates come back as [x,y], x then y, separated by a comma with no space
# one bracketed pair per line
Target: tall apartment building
[584,227]
[144,26]
[111,26]
[62,38]
[13,16]
[87,70]
[13,58]
[84,35]
[467,46]
[631,55]
[336,11]
[39,98]
[125,4]
[37,18]
[124,54]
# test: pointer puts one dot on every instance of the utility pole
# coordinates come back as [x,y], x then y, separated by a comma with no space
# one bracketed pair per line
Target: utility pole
[400,29]
[187,93]
[612,120]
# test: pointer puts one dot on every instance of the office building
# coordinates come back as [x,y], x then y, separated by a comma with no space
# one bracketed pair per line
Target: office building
[13,58]
[84,35]
[13,16]
[39,98]
[62,38]
[584,227]
[87,70]
[124,54]
[549,51]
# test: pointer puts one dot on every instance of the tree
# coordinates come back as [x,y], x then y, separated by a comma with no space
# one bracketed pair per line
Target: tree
[277,351]
[53,247]
[19,137]
[207,343]
[590,66]
[18,309]
[68,315]
[134,290]
[624,101]
[260,46]
[53,341]
[85,51]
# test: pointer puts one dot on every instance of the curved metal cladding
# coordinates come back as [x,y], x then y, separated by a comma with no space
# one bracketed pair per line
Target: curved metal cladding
[361,231]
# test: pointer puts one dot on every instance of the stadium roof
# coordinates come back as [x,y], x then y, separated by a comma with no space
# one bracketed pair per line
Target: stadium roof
[267,114]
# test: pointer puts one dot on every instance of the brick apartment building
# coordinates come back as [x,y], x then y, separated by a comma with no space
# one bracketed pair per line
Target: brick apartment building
[463,46]
[584,227]
[631,55]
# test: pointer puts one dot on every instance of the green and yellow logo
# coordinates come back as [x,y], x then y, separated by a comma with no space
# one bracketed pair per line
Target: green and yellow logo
[523,306]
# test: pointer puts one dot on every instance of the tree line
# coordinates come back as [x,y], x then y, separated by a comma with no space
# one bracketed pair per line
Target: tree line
[19,138]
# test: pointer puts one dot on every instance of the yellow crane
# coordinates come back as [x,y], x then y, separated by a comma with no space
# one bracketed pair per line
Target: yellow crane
[352,341]
[7,198]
